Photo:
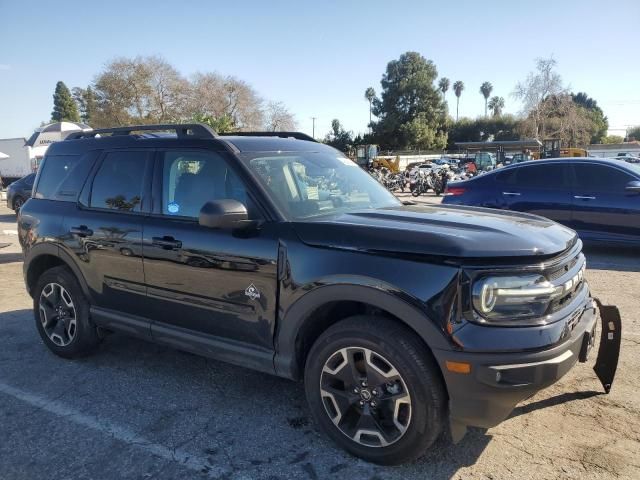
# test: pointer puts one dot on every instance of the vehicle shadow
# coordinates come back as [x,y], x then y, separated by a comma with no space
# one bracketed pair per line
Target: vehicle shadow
[140,383]
[621,259]
[8,218]
[10,257]
[553,401]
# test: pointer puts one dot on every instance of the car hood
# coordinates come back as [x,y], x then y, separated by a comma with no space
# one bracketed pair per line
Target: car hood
[443,230]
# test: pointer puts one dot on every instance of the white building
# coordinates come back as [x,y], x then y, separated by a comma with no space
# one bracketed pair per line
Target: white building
[614,149]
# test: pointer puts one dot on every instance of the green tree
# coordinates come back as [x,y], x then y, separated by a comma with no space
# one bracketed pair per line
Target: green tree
[222,124]
[411,112]
[443,85]
[485,89]
[496,104]
[86,102]
[633,134]
[458,87]
[609,139]
[338,137]
[64,107]
[504,127]
[369,95]
[595,113]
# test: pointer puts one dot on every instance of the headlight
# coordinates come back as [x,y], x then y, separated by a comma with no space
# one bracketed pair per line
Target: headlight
[514,297]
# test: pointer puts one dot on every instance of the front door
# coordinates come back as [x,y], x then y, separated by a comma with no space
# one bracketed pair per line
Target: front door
[218,283]
[542,189]
[602,208]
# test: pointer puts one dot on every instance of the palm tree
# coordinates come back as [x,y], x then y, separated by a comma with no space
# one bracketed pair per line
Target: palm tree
[458,87]
[485,89]
[369,95]
[443,85]
[496,104]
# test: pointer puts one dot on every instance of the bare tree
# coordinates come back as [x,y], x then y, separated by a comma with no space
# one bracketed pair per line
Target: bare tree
[278,118]
[539,85]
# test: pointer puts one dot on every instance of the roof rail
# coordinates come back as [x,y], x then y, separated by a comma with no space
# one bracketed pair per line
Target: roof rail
[183,130]
[296,135]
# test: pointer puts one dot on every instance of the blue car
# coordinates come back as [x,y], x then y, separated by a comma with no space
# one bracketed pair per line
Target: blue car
[599,198]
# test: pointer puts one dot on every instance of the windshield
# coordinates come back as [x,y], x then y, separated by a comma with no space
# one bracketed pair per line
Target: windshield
[309,184]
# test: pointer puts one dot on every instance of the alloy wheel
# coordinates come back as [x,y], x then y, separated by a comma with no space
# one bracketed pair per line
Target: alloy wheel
[365,397]
[58,314]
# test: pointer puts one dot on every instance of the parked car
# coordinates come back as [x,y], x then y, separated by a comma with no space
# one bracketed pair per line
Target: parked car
[599,198]
[274,252]
[19,192]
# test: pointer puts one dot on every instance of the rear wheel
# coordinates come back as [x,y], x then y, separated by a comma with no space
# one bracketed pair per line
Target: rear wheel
[373,387]
[61,313]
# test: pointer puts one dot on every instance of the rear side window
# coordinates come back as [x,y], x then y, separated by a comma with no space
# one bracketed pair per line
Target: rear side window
[119,182]
[62,176]
[600,178]
[545,176]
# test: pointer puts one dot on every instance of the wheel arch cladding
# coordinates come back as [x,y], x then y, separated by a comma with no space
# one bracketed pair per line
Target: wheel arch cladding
[318,309]
[42,259]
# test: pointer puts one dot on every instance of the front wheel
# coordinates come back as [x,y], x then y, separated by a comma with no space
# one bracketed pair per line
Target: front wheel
[375,390]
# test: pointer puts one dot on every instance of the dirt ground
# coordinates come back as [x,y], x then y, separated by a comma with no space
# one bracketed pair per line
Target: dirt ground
[136,410]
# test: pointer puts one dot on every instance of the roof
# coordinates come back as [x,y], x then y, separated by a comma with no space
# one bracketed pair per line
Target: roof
[186,135]
[272,144]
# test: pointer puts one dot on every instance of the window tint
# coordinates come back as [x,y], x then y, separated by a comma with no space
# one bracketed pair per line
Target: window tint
[58,171]
[119,183]
[192,178]
[600,178]
[535,176]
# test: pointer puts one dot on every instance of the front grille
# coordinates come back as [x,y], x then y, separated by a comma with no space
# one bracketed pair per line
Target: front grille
[569,271]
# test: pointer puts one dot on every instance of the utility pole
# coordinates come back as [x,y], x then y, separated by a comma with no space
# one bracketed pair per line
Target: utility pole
[313,128]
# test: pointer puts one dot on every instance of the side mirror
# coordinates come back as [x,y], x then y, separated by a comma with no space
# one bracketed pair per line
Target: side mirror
[633,186]
[223,214]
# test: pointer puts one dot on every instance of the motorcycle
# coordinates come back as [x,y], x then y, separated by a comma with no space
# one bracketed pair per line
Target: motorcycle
[418,182]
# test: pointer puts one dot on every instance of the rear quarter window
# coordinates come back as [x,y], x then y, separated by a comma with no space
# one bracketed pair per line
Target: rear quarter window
[61,177]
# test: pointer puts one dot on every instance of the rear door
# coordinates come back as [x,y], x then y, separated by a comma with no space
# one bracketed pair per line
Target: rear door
[105,229]
[602,208]
[542,189]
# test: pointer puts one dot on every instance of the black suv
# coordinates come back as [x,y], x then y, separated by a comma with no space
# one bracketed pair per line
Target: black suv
[19,192]
[277,253]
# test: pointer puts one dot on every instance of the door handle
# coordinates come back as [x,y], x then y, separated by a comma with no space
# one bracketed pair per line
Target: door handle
[81,231]
[168,243]
[584,197]
[511,194]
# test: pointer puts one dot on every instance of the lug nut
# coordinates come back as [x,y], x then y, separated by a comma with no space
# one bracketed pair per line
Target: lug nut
[373,403]
[363,383]
[356,390]
[375,392]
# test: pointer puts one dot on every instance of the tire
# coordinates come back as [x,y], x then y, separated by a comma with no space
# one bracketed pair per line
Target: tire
[415,192]
[408,423]
[69,334]
[17,204]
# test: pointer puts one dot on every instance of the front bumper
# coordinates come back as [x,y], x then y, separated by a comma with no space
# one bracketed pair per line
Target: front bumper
[497,382]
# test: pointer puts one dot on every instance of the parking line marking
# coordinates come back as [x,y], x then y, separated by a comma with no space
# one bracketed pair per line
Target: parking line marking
[115,431]
[10,232]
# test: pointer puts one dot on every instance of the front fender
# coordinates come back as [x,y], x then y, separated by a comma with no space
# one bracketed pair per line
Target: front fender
[342,288]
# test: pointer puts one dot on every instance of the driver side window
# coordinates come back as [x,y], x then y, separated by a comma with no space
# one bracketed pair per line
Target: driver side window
[193,178]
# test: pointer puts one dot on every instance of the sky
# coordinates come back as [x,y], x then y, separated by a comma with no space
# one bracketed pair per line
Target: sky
[318,57]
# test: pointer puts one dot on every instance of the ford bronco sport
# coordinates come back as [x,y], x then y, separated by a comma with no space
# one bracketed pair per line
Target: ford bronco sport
[277,253]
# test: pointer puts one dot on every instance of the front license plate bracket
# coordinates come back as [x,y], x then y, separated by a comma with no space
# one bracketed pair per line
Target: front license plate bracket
[609,350]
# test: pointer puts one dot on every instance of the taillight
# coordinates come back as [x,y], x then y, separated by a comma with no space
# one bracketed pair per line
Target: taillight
[455,190]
